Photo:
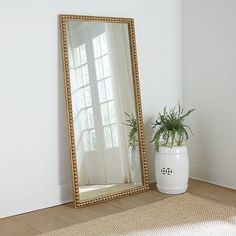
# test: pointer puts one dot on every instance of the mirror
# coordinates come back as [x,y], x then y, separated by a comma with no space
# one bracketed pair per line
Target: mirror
[104,108]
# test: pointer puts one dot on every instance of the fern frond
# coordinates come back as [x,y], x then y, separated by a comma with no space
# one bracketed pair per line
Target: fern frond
[187,113]
[171,127]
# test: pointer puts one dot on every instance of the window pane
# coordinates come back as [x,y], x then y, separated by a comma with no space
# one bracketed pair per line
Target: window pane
[102,91]
[114,136]
[71,57]
[75,100]
[90,117]
[105,115]
[109,89]
[99,69]
[83,55]
[112,111]
[106,66]
[93,139]
[73,80]
[85,74]
[86,141]
[83,120]
[77,57]
[79,77]
[108,138]
[88,98]
[81,98]
[96,47]
[77,130]
[103,42]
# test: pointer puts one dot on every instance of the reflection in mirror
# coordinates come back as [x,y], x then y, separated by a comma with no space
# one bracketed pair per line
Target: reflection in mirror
[106,134]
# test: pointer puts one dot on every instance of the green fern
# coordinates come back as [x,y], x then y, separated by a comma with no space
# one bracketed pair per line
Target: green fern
[171,128]
[133,133]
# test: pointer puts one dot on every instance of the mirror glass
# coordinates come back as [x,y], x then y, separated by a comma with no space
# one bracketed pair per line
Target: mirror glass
[103,107]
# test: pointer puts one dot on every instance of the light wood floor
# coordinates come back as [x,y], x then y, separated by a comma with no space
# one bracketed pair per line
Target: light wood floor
[53,218]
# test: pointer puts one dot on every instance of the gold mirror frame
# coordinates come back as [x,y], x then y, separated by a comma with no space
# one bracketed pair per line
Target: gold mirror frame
[135,74]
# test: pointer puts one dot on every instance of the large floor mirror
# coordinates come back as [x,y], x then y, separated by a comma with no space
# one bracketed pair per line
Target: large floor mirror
[104,108]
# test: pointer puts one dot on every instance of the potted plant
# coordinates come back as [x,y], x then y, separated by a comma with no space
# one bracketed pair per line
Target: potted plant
[171,162]
[134,157]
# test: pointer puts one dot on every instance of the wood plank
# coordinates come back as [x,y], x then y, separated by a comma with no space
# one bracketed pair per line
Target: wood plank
[12,227]
[41,221]
[213,192]
[105,209]
[71,215]
[138,200]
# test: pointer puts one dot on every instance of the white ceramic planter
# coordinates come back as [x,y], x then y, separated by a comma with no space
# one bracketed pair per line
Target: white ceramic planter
[135,167]
[172,169]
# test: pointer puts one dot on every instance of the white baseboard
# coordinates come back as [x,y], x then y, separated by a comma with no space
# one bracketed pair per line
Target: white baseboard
[218,176]
[22,202]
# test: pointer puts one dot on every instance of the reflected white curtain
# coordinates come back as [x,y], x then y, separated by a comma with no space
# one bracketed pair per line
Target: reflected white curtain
[120,59]
[81,160]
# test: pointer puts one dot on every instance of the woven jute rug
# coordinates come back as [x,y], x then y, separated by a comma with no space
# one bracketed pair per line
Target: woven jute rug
[181,215]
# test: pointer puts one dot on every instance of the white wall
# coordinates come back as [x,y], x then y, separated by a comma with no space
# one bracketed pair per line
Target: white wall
[209,85]
[34,162]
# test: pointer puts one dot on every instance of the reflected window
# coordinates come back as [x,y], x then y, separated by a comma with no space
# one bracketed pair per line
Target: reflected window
[105,90]
[81,90]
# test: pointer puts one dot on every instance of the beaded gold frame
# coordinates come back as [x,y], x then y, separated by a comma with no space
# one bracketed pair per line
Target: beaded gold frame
[142,148]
